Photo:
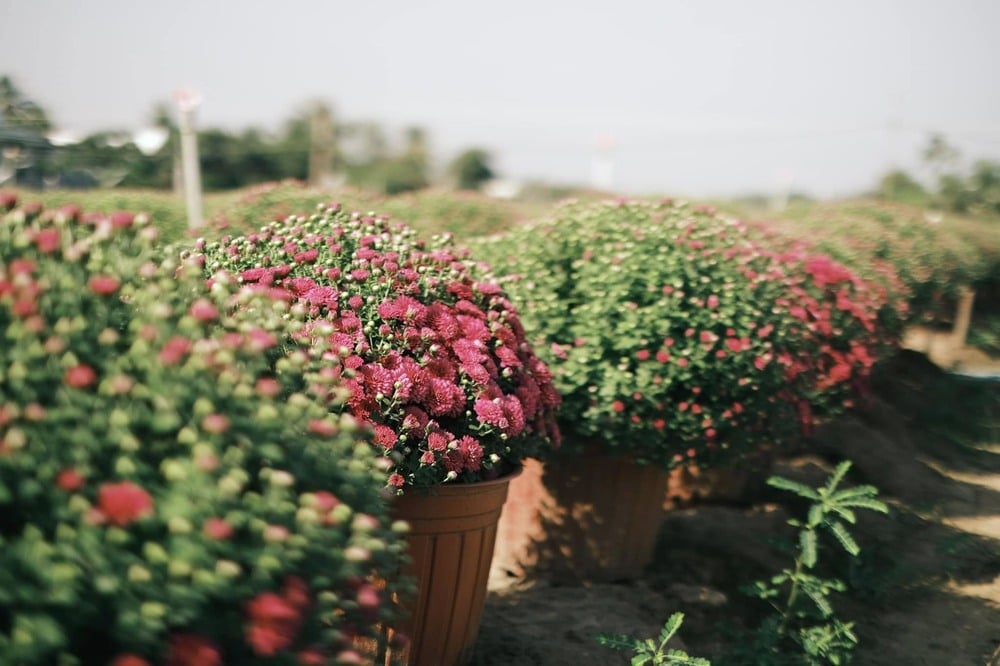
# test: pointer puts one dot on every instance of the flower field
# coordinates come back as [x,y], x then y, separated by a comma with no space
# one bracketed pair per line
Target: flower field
[201,439]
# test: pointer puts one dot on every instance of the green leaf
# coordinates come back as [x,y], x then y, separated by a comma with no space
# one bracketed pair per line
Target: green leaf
[853,492]
[617,641]
[641,660]
[799,489]
[818,598]
[671,626]
[838,475]
[845,513]
[865,503]
[816,512]
[843,536]
[807,542]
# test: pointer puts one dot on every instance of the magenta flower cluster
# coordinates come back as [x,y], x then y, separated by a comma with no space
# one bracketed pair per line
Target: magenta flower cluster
[430,349]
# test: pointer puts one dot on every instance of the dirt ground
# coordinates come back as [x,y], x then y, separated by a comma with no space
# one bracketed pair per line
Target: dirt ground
[925,590]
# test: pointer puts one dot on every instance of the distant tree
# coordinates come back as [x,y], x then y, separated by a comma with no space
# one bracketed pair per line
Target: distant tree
[18,111]
[985,182]
[898,185]
[939,154]
[471,169]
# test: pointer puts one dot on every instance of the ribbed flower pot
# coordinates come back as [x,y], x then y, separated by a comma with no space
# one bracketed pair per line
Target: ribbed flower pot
[581,518]
[743,482]
[451,539]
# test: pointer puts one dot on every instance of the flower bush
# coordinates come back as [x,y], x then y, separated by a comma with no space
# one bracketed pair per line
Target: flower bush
[674,334]
[166,495]
[921,258]
[433,353]
[428,211]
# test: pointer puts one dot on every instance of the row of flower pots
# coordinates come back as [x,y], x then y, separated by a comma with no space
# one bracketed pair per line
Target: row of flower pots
[207,436]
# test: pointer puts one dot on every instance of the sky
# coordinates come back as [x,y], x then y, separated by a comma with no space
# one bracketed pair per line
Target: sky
[708,97]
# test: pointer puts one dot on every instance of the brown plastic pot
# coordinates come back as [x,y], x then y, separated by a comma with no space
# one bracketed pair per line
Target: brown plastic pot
[585,518]
[451,539]
[741,483]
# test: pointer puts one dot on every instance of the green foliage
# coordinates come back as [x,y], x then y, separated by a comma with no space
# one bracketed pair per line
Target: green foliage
[471,169]
[165,210]
[164,485]
[804,629]
[675,333]
[921,259]
[650,652]
[430,211]
[17,111]
[898,185]
[977,192]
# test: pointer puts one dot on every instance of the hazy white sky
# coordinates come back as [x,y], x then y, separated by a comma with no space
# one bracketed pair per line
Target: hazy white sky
[701,97]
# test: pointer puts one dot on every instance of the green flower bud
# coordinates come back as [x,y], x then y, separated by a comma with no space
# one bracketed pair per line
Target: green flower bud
[116,535]
[78,504]
[106,584]
[155,553]
[187,436]
[15,439]
[306,516]
[64,532]
[179,568]
[229,485]
[63,573]
[267,412]
[204,578]
[340,513]
[173,470]
[124,466]
[139,574]
[153,610]
[128,442]
[268,563]
[203,407]
[179,525]
[227,568]
[281,479]
[17,371]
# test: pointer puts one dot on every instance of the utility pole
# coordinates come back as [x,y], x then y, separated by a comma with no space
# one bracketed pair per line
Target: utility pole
[187,103]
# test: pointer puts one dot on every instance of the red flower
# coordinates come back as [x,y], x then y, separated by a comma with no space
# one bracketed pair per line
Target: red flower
[129,660]
[70,480]
[642,354]
[48,240]
[174,350]
[203,310]
[215,423]
[122,219]
[311,658]
[80,376]
[385,436]
[268,387]
[192,650]
[123,503]
[273,624]
[217,529]
[8,200]
[323,428]
[618,406]
[104,285]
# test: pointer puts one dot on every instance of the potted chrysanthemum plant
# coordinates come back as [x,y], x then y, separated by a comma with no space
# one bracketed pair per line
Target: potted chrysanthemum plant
[436,364]
[167,496]
[673,335]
